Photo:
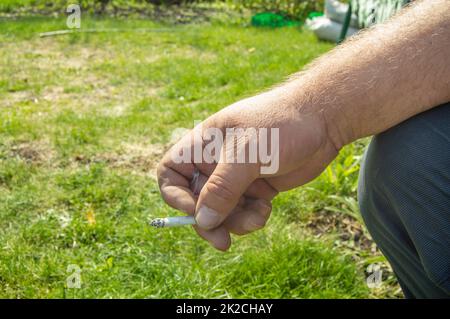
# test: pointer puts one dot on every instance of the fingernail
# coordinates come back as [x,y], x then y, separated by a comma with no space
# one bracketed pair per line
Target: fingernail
[207,218]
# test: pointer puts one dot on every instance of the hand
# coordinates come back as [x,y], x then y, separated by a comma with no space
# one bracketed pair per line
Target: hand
[235,198]
[359,89]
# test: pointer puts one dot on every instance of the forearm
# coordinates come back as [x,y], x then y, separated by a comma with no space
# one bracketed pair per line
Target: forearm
[381,77]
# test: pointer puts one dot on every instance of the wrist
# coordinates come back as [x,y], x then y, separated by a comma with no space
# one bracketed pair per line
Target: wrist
[335,124]
[338,129]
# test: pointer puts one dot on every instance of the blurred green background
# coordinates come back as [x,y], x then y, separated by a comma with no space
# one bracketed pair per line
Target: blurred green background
[84,119]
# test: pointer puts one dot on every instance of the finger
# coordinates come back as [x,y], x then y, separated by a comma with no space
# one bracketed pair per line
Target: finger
[253,216]
[260,188]
[219,237]
[250,214]
[222,192]
[175,190]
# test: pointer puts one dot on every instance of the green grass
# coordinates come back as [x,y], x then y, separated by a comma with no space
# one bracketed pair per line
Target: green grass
[83,120]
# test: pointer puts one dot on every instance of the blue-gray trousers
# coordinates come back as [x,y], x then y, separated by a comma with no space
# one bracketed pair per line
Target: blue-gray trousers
[404,197]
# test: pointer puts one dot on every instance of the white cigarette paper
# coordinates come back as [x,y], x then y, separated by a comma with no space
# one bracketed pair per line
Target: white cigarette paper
[173,221]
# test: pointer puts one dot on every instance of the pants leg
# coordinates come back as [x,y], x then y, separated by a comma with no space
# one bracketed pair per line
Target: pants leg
[404,197]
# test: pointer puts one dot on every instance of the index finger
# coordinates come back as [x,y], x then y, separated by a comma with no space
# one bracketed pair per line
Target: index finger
[175,189]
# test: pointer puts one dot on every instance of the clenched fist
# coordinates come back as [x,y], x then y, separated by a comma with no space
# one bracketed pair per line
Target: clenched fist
[231,196]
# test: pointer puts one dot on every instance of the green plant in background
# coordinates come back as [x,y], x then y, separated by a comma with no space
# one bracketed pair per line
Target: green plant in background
[295,9]
[292,9]
[91,6]
[273,20]
[375,11]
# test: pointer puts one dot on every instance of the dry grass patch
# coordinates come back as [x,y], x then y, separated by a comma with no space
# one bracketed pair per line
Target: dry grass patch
[135,158]
[34,152]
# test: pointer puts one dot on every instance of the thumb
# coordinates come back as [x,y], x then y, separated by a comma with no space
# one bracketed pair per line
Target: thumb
[222,192]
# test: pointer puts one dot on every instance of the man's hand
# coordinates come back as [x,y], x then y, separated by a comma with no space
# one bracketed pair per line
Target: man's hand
[235,197]
[365,86]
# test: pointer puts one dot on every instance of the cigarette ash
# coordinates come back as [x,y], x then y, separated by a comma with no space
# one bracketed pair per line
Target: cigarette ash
[158,223]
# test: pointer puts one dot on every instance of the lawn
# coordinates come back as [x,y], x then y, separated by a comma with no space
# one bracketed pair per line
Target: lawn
[84,119]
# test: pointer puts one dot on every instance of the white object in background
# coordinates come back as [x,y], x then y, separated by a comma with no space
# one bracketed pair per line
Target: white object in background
[327,29]
[337,11]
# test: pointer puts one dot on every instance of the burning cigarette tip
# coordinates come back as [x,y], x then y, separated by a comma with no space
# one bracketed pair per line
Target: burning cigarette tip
[157,222]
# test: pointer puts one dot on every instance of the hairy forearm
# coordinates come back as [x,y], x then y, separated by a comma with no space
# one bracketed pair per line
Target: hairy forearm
[381,77]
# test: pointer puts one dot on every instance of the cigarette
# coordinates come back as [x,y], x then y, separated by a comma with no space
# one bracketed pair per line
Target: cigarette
[173,221]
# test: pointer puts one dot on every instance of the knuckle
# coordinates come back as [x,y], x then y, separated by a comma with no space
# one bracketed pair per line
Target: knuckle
[160,173]
[166,198]
[221,187]
[258,224]
[162,177]
[266,213]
